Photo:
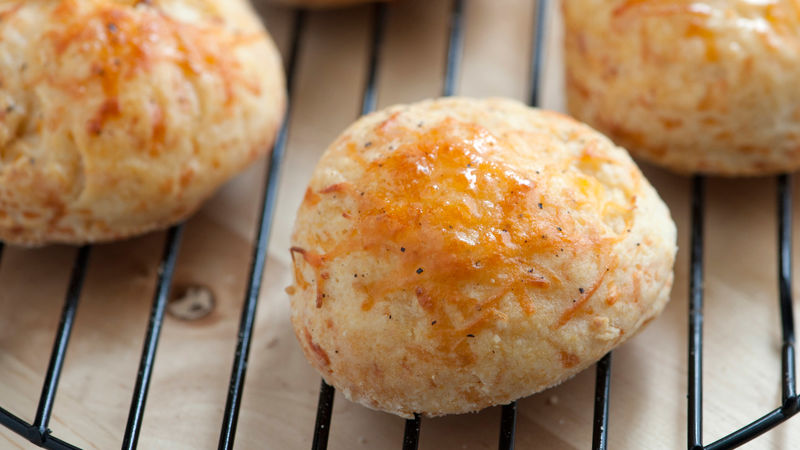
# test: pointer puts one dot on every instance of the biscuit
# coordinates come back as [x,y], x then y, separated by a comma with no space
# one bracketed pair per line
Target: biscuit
[121,117]
[707,87]
[455,254]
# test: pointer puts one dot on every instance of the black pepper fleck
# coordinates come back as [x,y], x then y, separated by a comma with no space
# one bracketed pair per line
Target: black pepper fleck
[580,290]
[419,271]
[368,144]
[638,244]
[402,249]
[470,335]
[112,27]
[541,206]
[433,323]
[559,229]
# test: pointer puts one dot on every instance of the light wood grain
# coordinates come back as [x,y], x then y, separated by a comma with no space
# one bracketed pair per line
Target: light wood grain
[194,359]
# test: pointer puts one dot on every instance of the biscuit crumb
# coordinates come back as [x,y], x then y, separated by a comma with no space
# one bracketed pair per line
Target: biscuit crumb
[603,330]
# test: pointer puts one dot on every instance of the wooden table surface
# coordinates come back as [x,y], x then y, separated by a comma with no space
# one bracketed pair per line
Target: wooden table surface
[187,397]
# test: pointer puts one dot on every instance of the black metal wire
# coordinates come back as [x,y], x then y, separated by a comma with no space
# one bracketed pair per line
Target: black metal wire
[455,49]
[368,104]
[789,403]
[411,433]
[509,413]
[31,433]
[695,396]
[370,97]
[537,50]
[322,427]
[57,356]
[165,271]
[508,426]
[749,432]
[260,247]
[39,433]
[601,403]
[370,101]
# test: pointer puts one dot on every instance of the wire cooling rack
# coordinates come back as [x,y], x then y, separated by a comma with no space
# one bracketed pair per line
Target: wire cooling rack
[40,434]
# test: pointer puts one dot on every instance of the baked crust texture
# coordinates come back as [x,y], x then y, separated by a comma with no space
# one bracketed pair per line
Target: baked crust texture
[455,254]
[118,117]
[697,86]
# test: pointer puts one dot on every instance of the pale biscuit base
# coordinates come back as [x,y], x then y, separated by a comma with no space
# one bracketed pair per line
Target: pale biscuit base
[456,254]
[119,117]
[698,86]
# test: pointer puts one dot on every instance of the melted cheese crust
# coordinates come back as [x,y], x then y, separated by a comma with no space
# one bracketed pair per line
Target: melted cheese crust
[456,254]
[118,117]
[698,86]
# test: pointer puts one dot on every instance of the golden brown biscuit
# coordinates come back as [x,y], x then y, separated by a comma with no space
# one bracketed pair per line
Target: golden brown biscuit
[698,86]
[119,117]
[455,254]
